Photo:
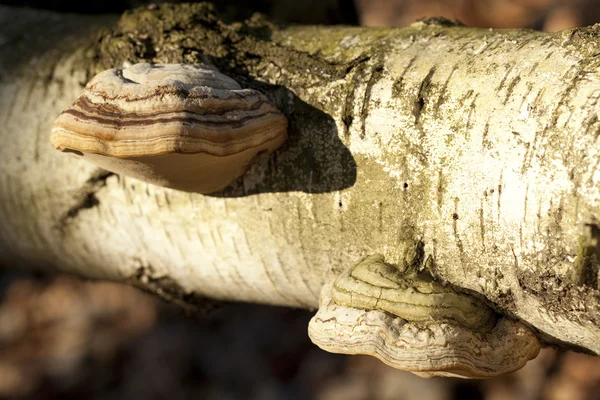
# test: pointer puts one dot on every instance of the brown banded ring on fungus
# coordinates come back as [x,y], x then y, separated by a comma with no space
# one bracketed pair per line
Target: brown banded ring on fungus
[186,127]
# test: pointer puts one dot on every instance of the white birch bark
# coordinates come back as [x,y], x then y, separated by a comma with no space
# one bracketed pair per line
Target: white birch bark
[480,143]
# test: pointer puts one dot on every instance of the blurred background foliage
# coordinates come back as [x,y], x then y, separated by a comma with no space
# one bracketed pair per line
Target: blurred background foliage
[62,337]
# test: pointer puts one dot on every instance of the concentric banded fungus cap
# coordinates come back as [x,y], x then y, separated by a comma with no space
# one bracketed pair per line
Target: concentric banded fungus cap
[186,127]
[433,349]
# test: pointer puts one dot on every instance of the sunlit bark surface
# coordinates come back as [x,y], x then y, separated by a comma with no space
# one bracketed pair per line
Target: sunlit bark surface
[480,143]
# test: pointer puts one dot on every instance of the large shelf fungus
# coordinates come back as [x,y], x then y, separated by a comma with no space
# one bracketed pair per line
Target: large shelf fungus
[412,322]
[187,127]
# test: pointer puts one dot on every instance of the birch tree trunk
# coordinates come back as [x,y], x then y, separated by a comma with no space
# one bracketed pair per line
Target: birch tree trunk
[480,143]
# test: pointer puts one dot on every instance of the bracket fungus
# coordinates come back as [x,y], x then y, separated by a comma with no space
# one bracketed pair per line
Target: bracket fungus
[412,322]
[186,127]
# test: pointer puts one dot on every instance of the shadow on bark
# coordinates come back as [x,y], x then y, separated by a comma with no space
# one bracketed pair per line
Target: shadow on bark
[313,160]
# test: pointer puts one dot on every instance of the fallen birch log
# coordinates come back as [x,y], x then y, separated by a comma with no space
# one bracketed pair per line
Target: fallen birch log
[477,145]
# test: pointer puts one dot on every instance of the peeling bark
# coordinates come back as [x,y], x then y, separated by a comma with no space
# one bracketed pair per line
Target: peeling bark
[480,143]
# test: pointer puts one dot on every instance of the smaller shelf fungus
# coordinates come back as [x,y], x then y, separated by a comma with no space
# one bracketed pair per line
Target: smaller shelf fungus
[412,322]
[186,127]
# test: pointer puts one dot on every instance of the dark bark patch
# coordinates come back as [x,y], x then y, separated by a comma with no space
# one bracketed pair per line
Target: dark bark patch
[441,21]
[579,304]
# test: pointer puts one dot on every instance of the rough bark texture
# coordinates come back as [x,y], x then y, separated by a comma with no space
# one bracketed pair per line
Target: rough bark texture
[482,144]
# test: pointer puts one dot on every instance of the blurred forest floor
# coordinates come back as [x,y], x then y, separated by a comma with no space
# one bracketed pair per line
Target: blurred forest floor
[62,337]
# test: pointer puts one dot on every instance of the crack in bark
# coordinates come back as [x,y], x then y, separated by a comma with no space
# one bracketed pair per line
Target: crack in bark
[375,77]
[398,87]
[356,62]
[348,108]
[443,96]
[171,291]
[85,198]
[423,91]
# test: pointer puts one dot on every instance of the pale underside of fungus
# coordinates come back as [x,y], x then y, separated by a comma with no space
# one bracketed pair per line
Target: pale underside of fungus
[187,127]
[412,322]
